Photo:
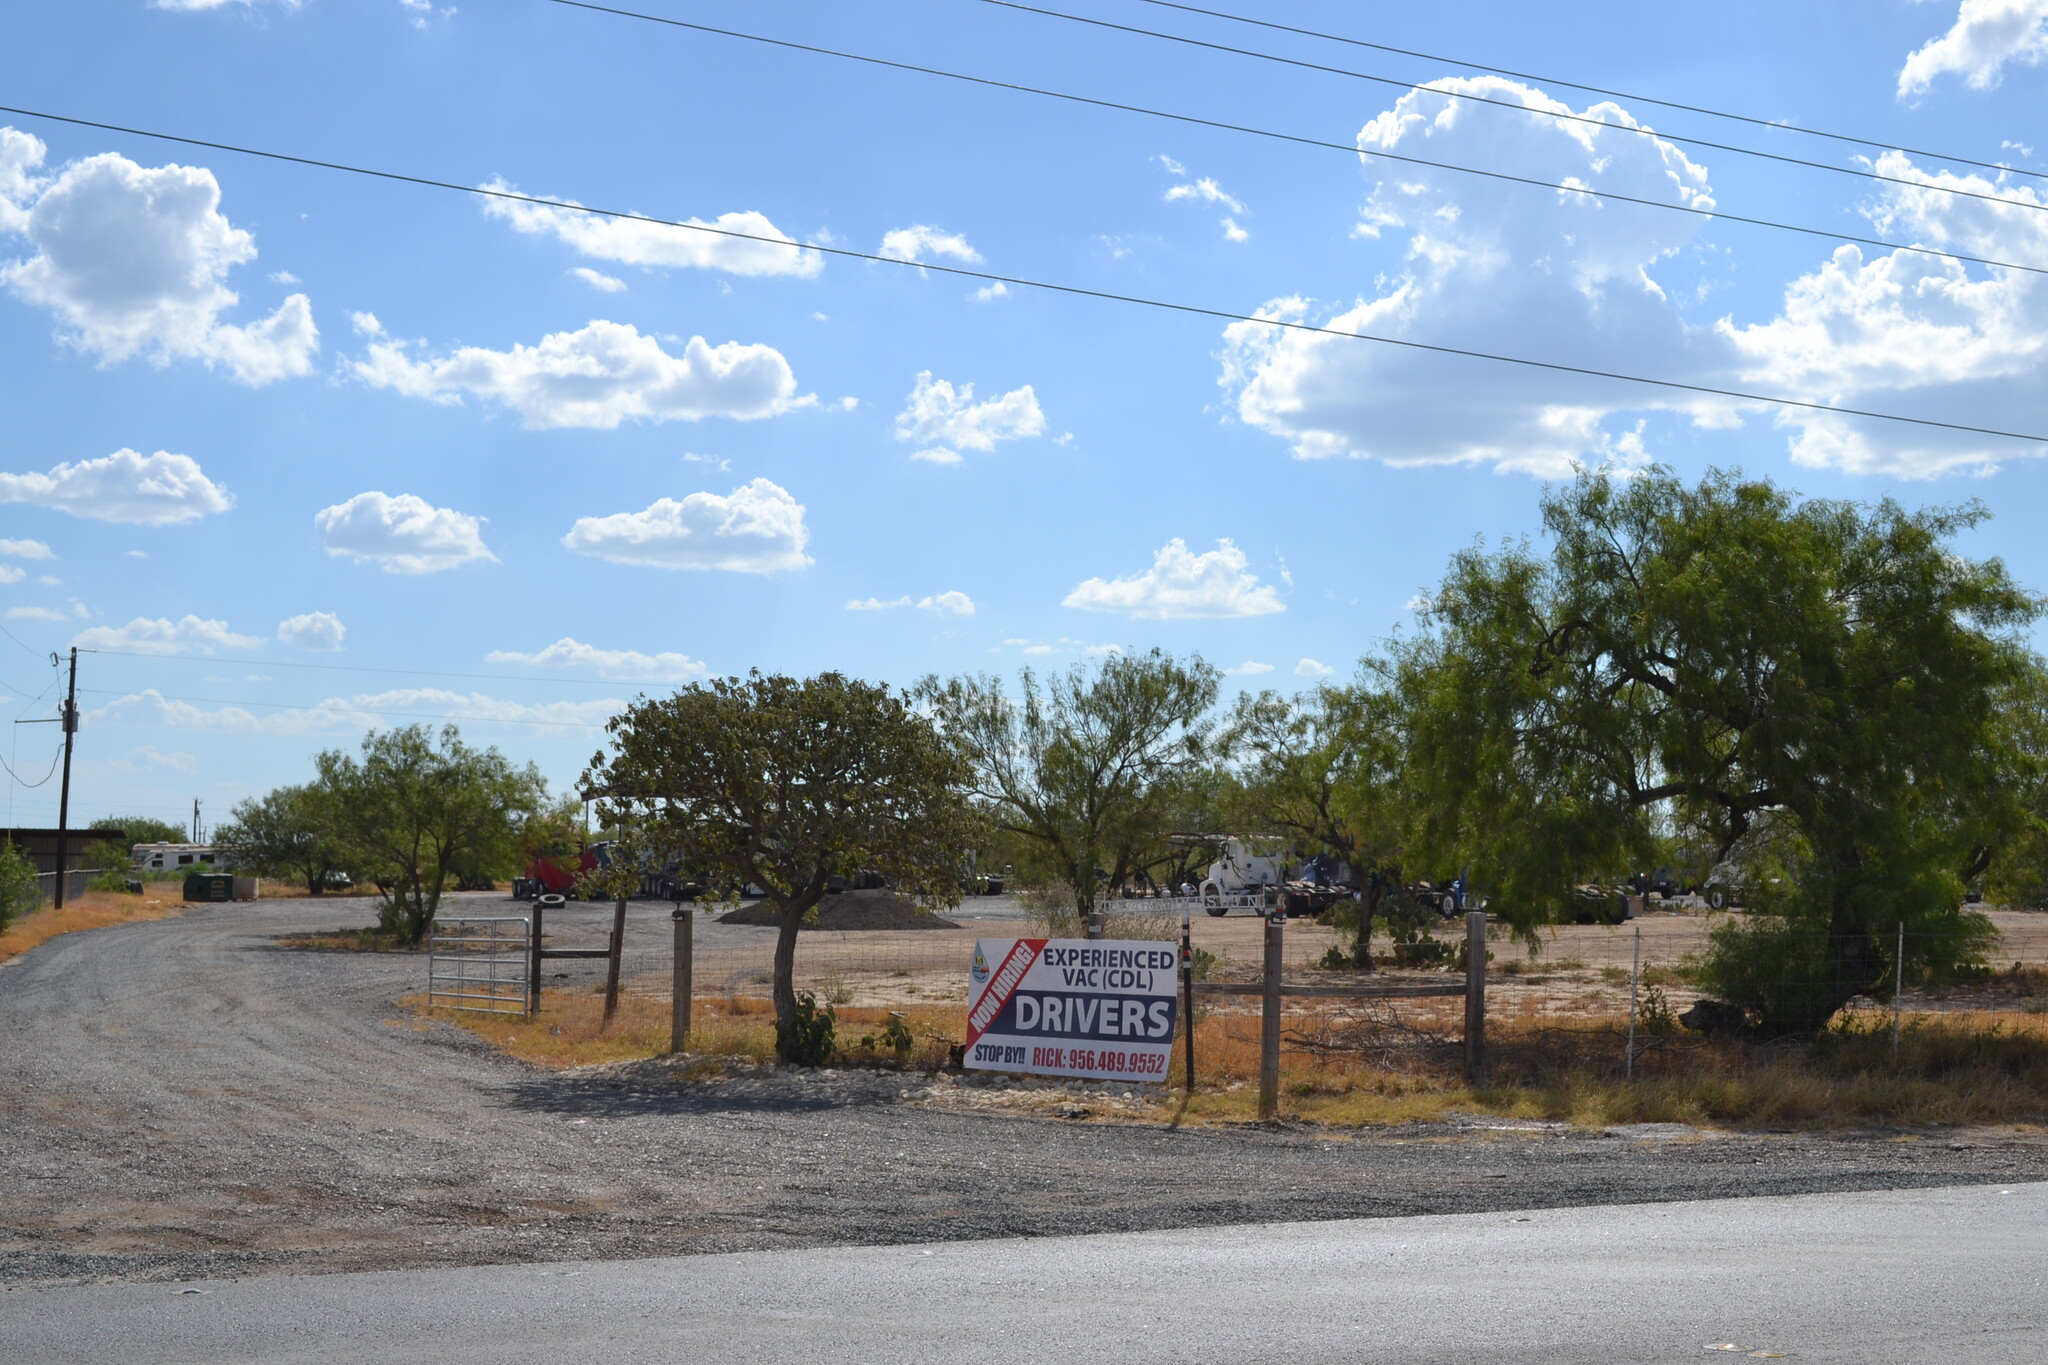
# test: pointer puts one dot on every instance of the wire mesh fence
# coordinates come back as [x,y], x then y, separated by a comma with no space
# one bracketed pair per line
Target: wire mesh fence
[1571,1002]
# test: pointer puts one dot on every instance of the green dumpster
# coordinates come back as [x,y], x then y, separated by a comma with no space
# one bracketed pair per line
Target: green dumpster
[209,886]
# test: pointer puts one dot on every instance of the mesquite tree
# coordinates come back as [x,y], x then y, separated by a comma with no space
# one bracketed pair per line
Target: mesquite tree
[786,783]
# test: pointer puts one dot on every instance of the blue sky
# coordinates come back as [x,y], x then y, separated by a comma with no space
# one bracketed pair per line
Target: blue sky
[297,452]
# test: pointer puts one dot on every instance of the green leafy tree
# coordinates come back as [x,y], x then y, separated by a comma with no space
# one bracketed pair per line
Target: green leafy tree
[413,804]
[118,855]
[1081,763]
[1708,657]
[1324,768]
[293,831]
[786,783]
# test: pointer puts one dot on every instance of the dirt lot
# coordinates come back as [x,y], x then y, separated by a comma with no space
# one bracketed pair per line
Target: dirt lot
[185,1098]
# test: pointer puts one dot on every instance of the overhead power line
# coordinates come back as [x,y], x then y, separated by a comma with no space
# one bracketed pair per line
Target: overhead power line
[363,668]
[1049,286]
[1776,125]
[350,709]
[1347,148]
[1470,98]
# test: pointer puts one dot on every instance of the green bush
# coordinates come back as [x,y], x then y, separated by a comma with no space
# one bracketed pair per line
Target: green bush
[806,1038]
[20,892]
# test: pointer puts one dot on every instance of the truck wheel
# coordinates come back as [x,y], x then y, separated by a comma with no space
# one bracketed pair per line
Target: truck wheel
[1717,898]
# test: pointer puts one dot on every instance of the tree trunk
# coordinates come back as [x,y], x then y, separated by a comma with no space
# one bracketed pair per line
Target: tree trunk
[1368,906]
[791,916]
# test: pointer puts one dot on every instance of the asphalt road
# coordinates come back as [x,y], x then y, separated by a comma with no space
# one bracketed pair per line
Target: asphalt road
[183,1099]
[1878,1279]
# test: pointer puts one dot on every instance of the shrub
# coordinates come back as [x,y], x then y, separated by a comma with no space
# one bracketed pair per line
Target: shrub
[20,892]
[805,1039]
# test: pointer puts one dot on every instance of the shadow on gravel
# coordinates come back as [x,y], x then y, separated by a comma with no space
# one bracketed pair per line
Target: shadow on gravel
[610,1097]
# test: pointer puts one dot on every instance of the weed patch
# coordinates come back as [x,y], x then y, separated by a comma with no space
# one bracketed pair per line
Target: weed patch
[93,910]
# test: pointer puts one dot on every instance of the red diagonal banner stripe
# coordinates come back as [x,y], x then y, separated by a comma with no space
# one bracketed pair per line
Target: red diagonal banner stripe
[1002,985]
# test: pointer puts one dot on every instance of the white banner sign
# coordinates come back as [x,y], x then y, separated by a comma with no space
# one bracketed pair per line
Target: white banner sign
[1101,1008]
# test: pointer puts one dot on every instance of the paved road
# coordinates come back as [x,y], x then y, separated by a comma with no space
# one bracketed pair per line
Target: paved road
[1878,1279]
[183,1099]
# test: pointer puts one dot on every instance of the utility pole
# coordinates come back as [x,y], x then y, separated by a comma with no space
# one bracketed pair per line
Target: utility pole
[195,820]
[70,720]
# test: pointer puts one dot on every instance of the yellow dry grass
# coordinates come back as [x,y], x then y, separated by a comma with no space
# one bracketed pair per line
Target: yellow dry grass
[93,910]
[1955,1068]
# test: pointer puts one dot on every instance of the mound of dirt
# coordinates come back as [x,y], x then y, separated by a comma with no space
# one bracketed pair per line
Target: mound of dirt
[849,910]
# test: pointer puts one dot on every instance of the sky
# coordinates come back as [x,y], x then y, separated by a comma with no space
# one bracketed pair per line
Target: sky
[289,452]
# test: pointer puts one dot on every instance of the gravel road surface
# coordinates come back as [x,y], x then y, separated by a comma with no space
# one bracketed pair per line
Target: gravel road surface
[1926,1277]
[183,1099]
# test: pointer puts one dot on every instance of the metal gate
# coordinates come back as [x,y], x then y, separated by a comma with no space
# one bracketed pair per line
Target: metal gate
[480,964]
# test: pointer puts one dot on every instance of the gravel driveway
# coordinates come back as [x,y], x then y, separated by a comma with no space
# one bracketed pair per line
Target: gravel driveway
[182,1099]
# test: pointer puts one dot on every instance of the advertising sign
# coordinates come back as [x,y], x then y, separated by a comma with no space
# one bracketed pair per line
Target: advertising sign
[1100,1008]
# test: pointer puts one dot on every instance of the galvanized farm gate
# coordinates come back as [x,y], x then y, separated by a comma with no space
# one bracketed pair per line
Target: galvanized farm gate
[481,964]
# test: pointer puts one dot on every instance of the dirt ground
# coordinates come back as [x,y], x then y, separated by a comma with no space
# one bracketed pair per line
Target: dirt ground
[185,1098]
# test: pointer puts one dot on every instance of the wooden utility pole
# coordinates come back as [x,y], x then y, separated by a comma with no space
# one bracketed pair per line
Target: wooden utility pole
[611,975]
[70,720]
[679,986]
[1475,996]
[1269,1020]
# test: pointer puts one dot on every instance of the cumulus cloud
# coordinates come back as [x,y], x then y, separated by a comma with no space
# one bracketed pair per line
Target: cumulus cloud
[145,490]
[631,241]
[1564,274]
[944,603]
[1205,190]
[150,707]
[156,635]
[596,377]
[569,652]
[759,528]
[405,534]
[1183,586]
[132,261]
[321,631]
[922,243]
[939,417]
[1900,330]
[1310,668]
[10,575]
[25,549]
[1986,35]
[1249,668]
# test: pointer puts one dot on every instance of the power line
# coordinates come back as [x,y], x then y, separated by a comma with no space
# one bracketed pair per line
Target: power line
[363,668]
[1774,124]
[1048,286]
[1504,104]
[349,710]
[1349,149]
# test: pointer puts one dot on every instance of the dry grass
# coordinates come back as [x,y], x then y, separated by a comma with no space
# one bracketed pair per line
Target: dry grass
[369,940]
[93,910]
[1346,1071]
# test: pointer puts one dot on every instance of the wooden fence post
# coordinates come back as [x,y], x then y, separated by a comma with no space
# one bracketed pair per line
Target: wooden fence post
[679,986]
[1475,996]
[1269,1021]
[1187,993]
[533,966]
[611,976]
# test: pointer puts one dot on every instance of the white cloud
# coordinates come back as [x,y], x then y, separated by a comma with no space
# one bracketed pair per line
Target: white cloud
[356,713]
[145,490]
[36,614]
[1309,668]
[156,635]
[1986,35]
[1182,586]
[943,604]
[50,581]
[631,241]
[1205,191]
[9,575]
[25,549]
[990,292]
[599,376]
[1561,275]
[132,261]
[939,417]
[420,11]
[366,324]
[1904,331]
[598,280]
[610,663]
[313,630]
[405,534]
[921,243]
[283,277]
[758,529]
[1249,668]
[149,756]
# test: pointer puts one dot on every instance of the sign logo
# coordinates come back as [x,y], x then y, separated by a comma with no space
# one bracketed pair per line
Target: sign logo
[979,971]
